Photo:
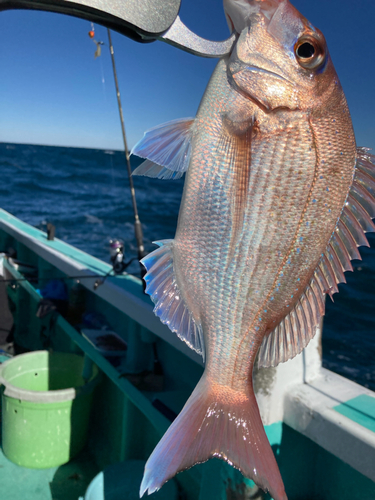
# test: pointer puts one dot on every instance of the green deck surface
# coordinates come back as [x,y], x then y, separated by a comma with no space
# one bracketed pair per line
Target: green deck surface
[66,482]
[360,409]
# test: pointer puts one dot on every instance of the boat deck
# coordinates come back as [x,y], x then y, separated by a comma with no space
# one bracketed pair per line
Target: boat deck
[67,482]
[320,425]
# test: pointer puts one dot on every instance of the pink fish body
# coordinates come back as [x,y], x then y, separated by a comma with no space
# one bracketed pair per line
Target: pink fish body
[276,200]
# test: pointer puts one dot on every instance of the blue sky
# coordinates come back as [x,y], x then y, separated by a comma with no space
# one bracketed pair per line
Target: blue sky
[52,90]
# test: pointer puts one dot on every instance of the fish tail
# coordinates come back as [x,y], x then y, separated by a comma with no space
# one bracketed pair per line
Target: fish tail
[216,422]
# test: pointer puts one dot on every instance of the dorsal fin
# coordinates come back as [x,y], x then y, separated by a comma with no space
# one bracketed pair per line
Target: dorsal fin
[296,330]
[169,305]
[167,150]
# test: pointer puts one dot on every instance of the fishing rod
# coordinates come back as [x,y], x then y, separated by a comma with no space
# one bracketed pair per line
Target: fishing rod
[137,223]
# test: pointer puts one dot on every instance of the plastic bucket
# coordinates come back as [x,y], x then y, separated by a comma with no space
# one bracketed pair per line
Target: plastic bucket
[4,356]
[122,481]
[45,408]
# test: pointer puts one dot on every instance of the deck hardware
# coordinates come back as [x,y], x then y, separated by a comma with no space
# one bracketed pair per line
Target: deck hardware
[51,231]
[117,256]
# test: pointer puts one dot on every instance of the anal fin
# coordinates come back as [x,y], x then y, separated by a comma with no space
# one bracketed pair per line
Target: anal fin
[170,306]
[296,330]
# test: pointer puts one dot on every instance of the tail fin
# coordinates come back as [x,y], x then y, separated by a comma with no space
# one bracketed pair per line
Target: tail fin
[216,422]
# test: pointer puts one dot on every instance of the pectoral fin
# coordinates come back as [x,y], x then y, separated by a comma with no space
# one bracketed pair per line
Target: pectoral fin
[167,150]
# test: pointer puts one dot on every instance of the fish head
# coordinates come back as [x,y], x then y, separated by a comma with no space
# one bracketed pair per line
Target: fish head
[280,59]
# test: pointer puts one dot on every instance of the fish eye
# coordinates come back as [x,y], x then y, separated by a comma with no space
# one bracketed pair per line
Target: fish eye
[309,52]
[305,51]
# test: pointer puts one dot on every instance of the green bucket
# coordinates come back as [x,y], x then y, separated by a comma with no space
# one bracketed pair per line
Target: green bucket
[45,408]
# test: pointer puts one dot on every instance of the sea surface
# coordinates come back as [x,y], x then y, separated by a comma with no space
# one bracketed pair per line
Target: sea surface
[85,194]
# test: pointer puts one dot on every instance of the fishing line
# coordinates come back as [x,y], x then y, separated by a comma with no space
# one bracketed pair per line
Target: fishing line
[104,89]
[103,80]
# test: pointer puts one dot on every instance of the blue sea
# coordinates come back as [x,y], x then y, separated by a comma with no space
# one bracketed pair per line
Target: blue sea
[85,194]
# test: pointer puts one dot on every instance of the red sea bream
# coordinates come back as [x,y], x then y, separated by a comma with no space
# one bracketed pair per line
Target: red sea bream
[276,201]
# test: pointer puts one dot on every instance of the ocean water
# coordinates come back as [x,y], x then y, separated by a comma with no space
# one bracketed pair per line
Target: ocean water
[85,194]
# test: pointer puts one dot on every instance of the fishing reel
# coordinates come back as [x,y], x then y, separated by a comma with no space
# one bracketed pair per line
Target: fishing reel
[117,256]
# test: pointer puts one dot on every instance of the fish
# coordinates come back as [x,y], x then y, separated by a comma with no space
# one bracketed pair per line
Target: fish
[277,199]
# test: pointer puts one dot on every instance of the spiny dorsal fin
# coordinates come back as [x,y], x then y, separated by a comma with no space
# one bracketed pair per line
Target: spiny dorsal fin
[354,222]
[296,330]
[167,150]
[169,304]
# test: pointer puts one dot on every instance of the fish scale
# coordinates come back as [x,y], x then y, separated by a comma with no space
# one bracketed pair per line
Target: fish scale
[237,268]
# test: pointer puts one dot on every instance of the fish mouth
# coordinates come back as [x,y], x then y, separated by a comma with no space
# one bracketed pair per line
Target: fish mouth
[258,69]
[259,66]
[263,83]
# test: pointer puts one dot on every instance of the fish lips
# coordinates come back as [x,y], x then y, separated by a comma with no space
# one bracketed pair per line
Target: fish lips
[263,84]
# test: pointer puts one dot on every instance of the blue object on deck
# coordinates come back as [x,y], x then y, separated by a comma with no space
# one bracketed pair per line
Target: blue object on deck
[54,290]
